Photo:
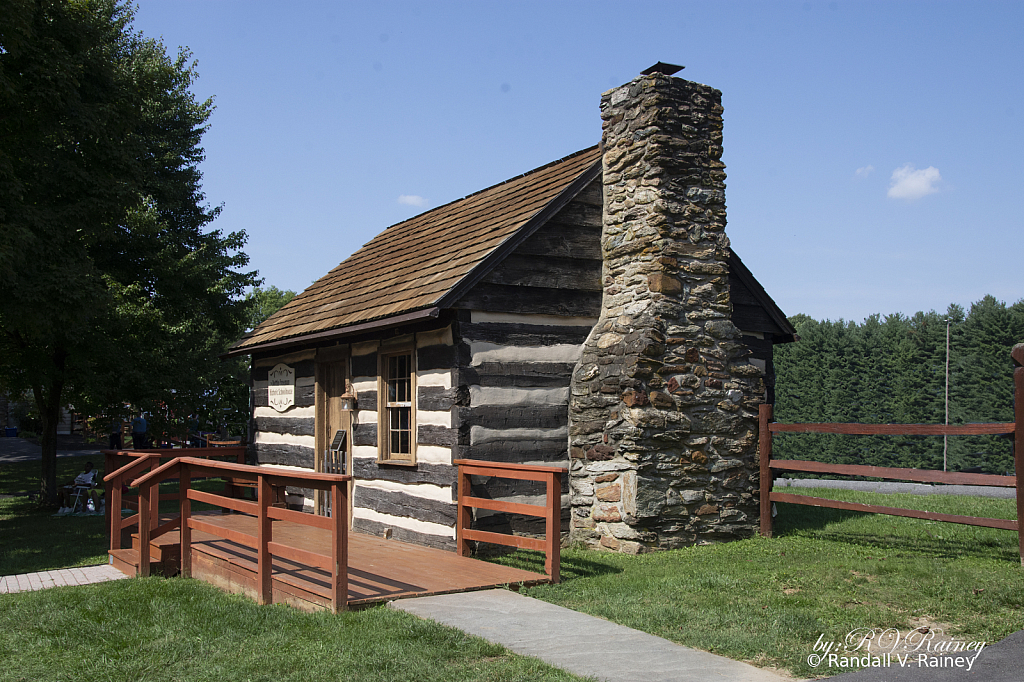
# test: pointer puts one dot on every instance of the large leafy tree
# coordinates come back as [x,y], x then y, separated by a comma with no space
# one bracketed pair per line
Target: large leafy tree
[112,288]
[265,302]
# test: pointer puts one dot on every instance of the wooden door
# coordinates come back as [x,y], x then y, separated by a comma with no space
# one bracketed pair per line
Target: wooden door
[331,380]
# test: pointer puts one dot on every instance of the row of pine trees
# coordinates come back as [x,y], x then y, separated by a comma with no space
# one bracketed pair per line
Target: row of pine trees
[892,369]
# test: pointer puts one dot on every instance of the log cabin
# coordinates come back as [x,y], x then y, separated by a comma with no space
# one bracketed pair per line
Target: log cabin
[588,314]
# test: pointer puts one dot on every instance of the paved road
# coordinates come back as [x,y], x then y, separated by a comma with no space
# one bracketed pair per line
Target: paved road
[1001,662]
[898,487]
[20,450]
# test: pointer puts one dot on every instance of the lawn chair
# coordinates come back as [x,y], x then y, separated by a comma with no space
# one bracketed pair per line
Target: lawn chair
[79,496]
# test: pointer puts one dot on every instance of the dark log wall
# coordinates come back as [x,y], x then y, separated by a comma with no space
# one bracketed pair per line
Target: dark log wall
[757,327]
[520,333]
[413,503]
[494,385]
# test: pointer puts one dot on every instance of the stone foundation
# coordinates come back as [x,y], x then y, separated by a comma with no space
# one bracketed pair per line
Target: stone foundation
[663,407]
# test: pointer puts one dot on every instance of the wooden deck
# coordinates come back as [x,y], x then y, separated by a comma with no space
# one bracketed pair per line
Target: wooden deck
[379,570]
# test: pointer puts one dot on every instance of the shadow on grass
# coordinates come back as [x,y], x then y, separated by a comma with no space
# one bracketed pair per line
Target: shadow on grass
[574,564]
[799,517]
[35,540]
[933,539]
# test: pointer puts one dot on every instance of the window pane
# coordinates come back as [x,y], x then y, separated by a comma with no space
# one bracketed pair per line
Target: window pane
[398,390]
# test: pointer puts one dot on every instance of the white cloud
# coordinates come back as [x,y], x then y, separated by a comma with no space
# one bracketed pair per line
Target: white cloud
[909,183]
[412,200]
[864,172]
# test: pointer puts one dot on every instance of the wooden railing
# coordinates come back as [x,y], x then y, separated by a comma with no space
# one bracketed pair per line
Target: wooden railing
[551,512]
[127,465]
[185,469]
[767,428]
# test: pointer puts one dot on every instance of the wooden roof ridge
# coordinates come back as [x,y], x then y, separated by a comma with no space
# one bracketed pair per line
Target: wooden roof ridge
[414,268]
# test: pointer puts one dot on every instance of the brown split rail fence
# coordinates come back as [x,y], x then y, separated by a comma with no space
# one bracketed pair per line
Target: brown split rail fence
[551,512]
[767,428]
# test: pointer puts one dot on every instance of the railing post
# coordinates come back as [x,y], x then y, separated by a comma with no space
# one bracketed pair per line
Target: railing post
[263,561]
[464,515]
[145,512]
[184,483]
[764,449]
[1018,440]
[339,546]
[553,540]
[154,496]
[109,467]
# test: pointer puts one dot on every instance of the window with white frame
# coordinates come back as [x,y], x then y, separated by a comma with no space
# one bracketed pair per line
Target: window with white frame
[397,429]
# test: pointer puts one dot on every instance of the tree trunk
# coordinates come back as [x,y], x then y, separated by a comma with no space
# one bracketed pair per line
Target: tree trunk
[48,403]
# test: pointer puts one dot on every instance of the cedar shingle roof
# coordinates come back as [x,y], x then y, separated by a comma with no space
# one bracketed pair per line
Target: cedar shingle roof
[411,266]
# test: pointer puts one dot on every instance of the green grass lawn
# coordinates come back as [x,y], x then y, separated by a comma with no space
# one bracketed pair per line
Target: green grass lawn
[33,539]
[825,572]
[160,630]
[174,629]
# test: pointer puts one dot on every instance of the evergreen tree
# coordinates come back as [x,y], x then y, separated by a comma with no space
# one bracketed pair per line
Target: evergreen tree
[893,370]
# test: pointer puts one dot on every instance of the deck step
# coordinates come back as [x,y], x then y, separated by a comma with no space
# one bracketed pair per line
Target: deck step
[167,547]
[127,561]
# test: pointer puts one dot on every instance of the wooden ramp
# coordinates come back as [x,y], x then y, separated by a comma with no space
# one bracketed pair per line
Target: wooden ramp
[379,570]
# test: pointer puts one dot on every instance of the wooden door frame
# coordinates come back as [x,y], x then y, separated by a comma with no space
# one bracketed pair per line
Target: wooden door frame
[330,357]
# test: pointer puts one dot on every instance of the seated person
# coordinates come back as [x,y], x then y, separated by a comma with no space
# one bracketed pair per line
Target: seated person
[87,478]
[96,496]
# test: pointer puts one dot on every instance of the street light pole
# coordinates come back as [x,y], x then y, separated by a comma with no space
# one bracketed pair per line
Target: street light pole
[945,438]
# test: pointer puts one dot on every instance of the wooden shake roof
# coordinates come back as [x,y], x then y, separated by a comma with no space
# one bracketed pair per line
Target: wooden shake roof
[422,263]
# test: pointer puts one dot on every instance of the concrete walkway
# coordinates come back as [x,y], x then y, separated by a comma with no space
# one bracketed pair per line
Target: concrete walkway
[576,642]
[85,575]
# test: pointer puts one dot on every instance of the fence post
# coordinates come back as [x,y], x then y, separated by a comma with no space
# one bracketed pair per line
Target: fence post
[264,530]
[764,449]
[145,493]
[465,513]
[184,483]
[553,539]
[1018,439]
[339,546]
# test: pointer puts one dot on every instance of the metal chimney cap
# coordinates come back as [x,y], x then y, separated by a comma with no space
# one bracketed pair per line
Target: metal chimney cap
[662,67]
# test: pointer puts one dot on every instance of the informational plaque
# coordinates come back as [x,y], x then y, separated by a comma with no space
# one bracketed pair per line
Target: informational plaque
[281,391]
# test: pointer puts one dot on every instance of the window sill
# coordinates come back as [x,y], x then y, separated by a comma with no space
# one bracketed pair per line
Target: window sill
[396,462]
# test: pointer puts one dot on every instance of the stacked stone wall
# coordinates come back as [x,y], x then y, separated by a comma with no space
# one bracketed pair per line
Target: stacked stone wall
[663,408]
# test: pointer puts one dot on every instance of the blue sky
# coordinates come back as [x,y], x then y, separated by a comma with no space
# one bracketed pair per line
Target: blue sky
[873,149]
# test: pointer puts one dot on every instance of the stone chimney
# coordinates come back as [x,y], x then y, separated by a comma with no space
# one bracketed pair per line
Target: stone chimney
[663,409]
